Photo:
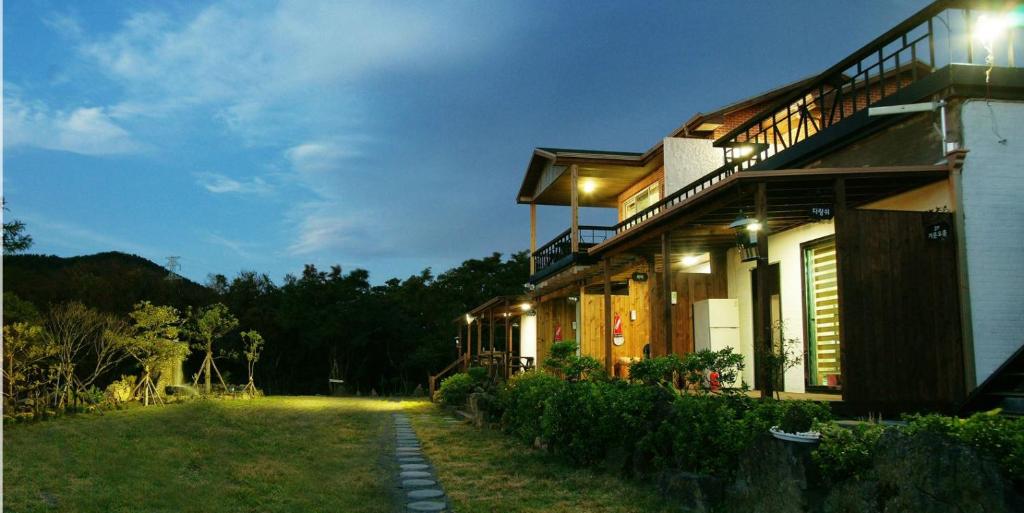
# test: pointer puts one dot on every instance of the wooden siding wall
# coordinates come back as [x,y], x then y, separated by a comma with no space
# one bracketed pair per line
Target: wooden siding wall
[559,311]
[901,341]
[690,288]
[636,334]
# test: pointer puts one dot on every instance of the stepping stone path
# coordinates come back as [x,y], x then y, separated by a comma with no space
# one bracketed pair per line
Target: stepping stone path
[416,477]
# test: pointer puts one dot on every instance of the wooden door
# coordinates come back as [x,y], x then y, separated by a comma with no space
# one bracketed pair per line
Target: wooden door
[900,341]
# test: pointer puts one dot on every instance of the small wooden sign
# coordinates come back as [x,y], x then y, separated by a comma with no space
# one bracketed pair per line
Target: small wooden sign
[821,213]
[640,276]
[938,232]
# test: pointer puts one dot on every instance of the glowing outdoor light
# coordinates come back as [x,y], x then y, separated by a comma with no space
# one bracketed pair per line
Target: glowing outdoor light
[469,319]
[588,186]
[525,307]
[690,260]
[746,236]
[990,27]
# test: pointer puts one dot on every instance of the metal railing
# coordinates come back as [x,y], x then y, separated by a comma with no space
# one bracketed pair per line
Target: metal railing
[561,246]
[938,35]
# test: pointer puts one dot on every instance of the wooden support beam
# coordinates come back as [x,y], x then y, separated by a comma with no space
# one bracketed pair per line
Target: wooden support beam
[490,329]
[653,295]
[574,191]
[666,293]
[479,336]
[533,237]
[608,364]
[763,320]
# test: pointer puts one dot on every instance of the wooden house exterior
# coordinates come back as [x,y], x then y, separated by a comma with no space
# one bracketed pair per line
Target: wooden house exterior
[889,248]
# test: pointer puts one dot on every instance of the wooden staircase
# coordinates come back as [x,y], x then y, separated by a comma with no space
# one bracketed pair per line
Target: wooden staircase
[460,363]
[1004,389]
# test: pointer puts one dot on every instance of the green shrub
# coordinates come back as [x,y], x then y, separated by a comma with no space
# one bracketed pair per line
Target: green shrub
[845,453]
[993,436]
[455,389]
[562,361]
[523,399]
[697,367]
[656,371]
[799,416]
[576,421]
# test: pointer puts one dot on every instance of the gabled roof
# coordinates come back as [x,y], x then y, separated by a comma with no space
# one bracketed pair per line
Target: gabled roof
[545,181]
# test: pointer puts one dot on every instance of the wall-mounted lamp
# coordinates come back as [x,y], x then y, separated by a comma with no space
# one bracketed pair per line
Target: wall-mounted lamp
[525,307]
[746,229]
[469,319]
[690,260]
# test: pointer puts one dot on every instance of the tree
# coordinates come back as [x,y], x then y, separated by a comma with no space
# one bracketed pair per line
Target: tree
[24,352]
[204,327]
[153,340]
[253,342]
[86,343]
[15,238]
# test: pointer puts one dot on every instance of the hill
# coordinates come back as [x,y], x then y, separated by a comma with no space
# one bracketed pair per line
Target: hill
[111,282]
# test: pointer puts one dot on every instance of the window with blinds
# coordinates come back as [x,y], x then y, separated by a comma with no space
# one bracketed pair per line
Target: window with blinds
[822,314]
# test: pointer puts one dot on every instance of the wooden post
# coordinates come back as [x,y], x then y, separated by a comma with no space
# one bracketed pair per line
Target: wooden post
[763,322]
[574,231]
[490,329]
[839,217]
[608,364]
[580,316]
[533,237]
[653,293]
[508,343]
[479,335]
[666,293]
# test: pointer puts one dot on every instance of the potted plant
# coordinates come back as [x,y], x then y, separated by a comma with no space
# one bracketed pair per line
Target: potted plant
[796,422]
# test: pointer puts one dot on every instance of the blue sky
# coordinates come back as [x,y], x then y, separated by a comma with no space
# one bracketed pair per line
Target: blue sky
[390,136]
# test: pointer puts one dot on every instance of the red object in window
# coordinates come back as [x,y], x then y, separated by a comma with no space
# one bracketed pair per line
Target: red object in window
[713,381]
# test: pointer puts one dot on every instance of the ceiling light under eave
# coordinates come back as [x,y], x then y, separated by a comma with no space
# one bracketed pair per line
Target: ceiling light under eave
[588,186]
[690,260]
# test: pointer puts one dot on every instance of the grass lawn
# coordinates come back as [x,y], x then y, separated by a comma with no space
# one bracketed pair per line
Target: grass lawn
[284,454]
[275,454]
[487,471]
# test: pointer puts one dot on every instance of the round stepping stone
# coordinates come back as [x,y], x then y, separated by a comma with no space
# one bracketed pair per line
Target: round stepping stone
[417,483]
[425,506]
[414,466]
[426,493]
[414,459]
[408,445]
[408,449]
[413,474]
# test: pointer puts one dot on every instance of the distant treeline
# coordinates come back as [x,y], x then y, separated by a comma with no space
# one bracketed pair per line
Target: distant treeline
[316,324]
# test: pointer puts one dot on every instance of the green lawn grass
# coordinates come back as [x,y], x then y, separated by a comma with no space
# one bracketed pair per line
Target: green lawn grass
[487,471]
[284,454]
[273,454]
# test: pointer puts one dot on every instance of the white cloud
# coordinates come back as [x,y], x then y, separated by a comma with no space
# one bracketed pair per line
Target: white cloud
[318,157]
[219,184]
[242,249]
[84,130]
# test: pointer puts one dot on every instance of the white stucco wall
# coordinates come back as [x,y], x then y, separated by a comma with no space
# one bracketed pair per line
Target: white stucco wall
[783,249]
[528,336]
[993,206]
[687,160]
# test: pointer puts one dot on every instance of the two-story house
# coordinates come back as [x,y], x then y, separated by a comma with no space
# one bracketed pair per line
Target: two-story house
[867,218]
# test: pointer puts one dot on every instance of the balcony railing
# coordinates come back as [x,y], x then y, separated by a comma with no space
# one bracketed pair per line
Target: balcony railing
[938,35]
[556,252]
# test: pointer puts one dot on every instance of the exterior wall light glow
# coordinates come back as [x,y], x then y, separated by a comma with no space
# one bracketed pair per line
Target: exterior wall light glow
[690,260]
[746,229]
[525,307]
[988,27]
[588,186]
[469,319]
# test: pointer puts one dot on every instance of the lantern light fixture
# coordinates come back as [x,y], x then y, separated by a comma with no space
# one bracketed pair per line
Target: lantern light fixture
[469,319]
[746,229]
[525,307]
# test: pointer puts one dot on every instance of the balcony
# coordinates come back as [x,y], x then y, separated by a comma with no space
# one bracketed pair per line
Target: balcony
[923,57]
[557,254]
